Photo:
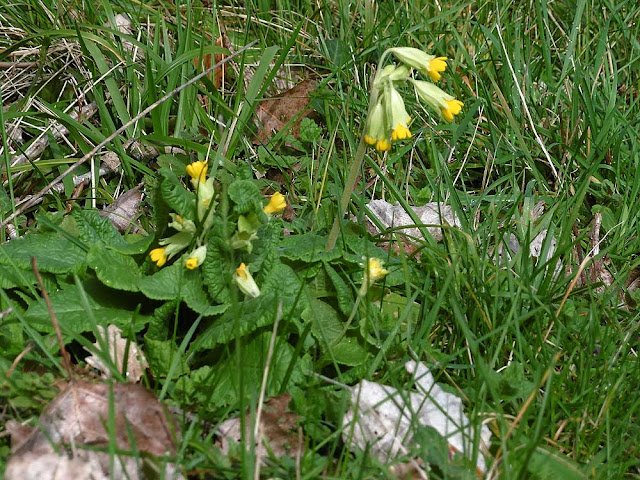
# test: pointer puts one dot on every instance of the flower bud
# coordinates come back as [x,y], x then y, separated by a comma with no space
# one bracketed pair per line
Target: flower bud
[245,282]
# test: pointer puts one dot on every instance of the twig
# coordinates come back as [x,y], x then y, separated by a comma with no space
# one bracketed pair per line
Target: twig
[66,360]
[18,64]
[36,198]
[17,360]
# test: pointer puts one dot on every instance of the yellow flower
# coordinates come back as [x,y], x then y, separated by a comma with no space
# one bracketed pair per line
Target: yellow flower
[453,108]
[159,256]
[437,99]
[421,61]
[276,204]
[197,171]
[196,258]
[375,131]
[373,272]
[383,145]
[245,282]
[398,116]
[436,66]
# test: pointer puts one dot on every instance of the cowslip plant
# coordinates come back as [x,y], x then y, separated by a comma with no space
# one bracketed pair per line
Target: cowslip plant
[190,235]
[388,120]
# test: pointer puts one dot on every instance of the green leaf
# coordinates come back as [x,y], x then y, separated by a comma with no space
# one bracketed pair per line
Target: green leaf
[217,269]
[55,254]
[326,324]
[114,269]
[240,320]
[93,228]
[106,306]
[11,277]
[134,244]
[547,465]
[246,196]
[175,281]
[308,247]
[349,352]
[220,384]
[181,200]
[344,294]
[309,130]
[160,354]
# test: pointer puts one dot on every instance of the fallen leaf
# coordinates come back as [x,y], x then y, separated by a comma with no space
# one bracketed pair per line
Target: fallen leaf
[277,426]
[285,110]
[117,349]
[383,419]
[395,217]
[124,210]
[79,417]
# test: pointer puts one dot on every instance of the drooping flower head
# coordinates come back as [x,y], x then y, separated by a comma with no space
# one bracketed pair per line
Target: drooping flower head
[421,61]
[439,100]
[388,119]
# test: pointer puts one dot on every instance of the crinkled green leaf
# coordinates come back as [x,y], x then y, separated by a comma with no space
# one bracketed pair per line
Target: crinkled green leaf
[349,352]
[326,324]
[160,354]
[176,281]
[308,247]
[107,306]
[11,277]
[54,253]
[114,269]
[246,196]
[220,384]
[281,286]
[217,270]
[309,130]
[91,228]
[174,193]
[344,294]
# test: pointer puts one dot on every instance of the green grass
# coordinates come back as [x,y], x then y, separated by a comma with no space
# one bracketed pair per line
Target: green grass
[551,94]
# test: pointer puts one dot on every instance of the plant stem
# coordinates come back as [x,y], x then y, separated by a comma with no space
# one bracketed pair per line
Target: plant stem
[346,194]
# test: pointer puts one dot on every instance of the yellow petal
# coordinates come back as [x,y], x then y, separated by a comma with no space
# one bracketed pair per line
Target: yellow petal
[436,66]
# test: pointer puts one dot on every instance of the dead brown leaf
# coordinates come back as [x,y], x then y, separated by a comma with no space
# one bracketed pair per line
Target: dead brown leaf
[82,416]
[277,426]
[284,111]
[124,210]
[118,349]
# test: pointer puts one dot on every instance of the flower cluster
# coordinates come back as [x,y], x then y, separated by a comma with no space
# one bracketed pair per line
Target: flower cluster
[186,235]
[388,119]
[193,234]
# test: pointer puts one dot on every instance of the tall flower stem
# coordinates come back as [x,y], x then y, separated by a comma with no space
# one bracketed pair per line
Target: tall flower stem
[356,164]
